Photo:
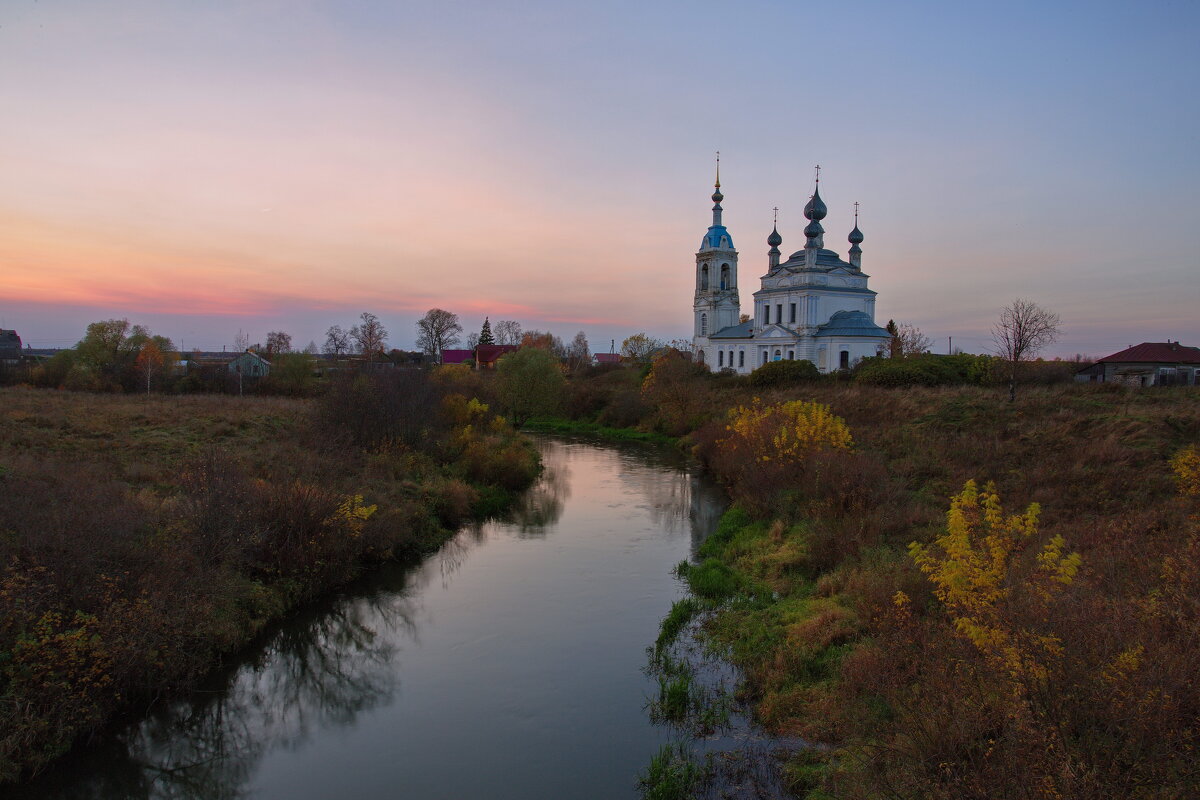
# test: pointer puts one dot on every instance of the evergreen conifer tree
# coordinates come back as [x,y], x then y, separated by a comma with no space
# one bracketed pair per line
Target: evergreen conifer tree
[485,335]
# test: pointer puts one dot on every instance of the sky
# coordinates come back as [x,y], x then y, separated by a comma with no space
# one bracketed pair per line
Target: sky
[205,167]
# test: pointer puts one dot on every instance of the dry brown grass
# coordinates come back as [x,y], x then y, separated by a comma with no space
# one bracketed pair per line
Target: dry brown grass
[916,709]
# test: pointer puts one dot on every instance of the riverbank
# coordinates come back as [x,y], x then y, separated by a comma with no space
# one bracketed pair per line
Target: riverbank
[147,537]
[990,657]
[987,658]
[560,427]
[495,646]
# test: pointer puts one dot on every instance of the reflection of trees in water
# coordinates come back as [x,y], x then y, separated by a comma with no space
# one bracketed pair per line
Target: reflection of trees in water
[708,503]
[677,498]
[542,504]
[316,674]
[662,487]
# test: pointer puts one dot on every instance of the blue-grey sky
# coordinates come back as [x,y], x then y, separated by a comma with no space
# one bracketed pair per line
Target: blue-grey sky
[204,167]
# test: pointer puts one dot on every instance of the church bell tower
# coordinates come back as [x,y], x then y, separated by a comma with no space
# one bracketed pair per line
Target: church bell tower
[716,303]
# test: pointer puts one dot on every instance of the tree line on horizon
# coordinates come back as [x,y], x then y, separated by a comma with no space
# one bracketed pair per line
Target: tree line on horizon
[115,355]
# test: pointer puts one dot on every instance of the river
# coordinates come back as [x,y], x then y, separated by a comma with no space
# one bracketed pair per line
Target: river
[508,665]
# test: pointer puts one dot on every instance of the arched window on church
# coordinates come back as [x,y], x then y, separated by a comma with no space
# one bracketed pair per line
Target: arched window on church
[704,278]
[778,356]
[720,358]
[845,359]
[725,276]
[704,324]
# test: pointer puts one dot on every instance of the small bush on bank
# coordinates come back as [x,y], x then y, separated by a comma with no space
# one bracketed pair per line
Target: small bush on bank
[784,373]
[711,579]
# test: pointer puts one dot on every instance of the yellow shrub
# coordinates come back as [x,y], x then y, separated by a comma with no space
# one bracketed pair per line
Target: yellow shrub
[787,431]
[972,568]
[352,514]
[1186,464]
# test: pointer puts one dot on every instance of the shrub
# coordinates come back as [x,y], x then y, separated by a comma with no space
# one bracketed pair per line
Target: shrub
[926,370]
[784,373]
[378,408]
[529,383]
[674,388]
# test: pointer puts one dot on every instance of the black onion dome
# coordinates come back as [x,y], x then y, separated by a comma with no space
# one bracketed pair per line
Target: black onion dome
[813,229]
[717,196]
[855,236]
[775,239]
[815,208]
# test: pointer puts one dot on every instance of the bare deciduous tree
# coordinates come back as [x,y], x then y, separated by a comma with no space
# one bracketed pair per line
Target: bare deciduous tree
[278,342]
[579,352]
[337,341]
[544,340]
[639,347]
[436,331]
[909,341]
[508,331]
[370,337]
[1023,330]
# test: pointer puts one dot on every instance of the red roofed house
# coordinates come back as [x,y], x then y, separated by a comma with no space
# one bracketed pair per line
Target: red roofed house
[1147,364]
[606,358]
[486,355]
[457,356]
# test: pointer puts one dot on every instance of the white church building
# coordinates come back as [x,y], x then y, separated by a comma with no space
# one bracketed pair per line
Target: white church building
[813,306]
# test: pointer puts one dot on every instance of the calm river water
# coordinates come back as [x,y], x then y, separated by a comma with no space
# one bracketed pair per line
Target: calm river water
[508,665]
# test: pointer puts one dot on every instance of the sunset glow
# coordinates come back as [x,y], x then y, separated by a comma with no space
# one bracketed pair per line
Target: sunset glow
[204,168]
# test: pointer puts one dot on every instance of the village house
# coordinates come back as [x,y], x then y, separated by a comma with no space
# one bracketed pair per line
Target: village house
[248,364]
[1147,364]
[484,356]
[457,356]
[10,348]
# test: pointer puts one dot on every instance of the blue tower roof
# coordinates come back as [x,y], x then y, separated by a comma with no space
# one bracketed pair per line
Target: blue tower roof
[712,239]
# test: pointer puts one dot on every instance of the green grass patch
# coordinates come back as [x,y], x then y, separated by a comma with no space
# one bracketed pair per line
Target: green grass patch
[564,426]
[491,502]
[711,579]
[673,774]
[682,612]
[805,774]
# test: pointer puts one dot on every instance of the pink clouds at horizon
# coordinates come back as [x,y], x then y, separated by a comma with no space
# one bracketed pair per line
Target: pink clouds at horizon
[289,165]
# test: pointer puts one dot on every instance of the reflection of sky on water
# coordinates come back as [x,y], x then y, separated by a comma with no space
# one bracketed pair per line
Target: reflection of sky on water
[515,650]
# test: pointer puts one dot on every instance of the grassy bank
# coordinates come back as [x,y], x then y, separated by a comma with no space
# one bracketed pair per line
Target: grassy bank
[142,538]
[999,671]
[1036,642]
[569,426]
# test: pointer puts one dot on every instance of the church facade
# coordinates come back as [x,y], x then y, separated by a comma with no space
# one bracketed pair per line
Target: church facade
[812,306]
